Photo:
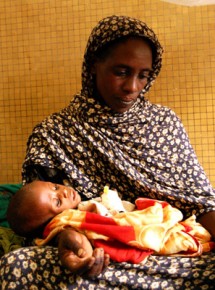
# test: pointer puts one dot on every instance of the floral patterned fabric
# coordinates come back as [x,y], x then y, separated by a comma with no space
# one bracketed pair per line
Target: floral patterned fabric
[40,268]
[144,152]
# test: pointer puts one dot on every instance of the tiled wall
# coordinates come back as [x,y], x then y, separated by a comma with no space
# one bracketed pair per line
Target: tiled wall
[41,49]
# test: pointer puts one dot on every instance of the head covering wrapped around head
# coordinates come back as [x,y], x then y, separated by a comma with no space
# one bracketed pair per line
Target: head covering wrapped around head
[113,28]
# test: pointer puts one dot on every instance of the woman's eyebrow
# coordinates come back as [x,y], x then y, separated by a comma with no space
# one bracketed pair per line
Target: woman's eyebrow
[148,70]
[129,67]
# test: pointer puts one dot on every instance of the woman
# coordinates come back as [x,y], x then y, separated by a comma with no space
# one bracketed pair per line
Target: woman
[111,134]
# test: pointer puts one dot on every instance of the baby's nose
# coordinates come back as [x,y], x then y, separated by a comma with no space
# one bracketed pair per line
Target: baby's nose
[64,193]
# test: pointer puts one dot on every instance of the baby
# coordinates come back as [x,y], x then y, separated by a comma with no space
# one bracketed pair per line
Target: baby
[123,233]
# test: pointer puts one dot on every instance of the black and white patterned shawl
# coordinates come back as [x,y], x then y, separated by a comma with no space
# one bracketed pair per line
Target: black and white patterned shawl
[142,152]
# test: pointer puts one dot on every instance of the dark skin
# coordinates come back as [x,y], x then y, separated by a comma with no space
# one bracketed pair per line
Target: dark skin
[78,255]
[123,74]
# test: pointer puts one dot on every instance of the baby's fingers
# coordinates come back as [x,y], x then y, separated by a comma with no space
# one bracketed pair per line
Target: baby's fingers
[99,264]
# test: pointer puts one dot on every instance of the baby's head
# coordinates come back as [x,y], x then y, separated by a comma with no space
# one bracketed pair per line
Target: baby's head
[36,203]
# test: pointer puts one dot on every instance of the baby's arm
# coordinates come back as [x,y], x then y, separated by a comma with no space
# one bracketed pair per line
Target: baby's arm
[77,255]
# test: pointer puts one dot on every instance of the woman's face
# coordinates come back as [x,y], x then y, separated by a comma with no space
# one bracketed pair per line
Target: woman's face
[122,75]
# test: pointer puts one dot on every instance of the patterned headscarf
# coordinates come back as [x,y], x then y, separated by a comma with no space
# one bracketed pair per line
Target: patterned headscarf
[144,151]
[110,29]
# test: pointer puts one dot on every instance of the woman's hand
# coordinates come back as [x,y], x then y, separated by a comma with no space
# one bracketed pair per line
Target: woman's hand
[77,254]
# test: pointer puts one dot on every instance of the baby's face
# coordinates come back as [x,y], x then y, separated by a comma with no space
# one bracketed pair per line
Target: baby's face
[52,198]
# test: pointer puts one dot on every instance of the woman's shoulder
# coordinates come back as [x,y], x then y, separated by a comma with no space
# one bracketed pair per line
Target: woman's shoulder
[54,119]
[162,112]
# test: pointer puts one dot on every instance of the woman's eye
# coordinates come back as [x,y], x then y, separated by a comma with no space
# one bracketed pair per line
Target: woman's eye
[55,187]
[144,76]
[121,73]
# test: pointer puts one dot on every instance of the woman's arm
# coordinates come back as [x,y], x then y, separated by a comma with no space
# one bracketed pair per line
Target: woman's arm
[208,221]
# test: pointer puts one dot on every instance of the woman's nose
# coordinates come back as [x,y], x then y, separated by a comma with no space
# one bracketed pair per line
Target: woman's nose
[131,85]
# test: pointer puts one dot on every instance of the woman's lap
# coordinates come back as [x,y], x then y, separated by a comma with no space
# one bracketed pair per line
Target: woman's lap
[39,268]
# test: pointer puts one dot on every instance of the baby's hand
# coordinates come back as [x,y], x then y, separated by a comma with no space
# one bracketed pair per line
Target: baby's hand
[77,255]
[99,263]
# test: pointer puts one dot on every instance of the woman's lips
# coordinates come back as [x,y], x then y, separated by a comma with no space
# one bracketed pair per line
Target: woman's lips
[127,102]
